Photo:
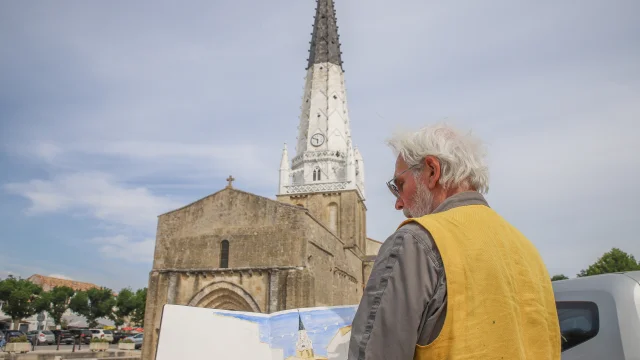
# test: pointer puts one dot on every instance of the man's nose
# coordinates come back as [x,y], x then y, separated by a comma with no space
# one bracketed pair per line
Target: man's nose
[399,203]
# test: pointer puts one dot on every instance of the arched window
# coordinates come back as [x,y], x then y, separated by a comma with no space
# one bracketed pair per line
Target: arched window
[224,254]
[333,217]
[316,174]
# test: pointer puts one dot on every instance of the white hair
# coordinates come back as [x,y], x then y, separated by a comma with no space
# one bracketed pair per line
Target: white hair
[461,155]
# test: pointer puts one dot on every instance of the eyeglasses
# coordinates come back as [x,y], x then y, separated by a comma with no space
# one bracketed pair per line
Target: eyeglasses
[391,183]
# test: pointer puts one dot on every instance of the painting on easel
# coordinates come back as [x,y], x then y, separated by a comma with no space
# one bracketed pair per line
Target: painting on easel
[309,333]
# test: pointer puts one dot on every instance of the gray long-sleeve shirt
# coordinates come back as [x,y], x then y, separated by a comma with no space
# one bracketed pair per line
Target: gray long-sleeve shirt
[405,299]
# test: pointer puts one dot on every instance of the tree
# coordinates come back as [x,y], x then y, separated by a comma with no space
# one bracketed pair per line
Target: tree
[93,304]
[615,260]
[20,298]
[56,302]
[126,304]
[137,317]
[559,277]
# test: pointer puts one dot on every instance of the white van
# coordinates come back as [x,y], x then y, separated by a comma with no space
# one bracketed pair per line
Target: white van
[600,316]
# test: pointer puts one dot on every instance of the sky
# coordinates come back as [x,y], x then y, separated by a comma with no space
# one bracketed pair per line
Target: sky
[112,113]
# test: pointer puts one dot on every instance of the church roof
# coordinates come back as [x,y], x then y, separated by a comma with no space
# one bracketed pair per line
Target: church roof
[374,240]
[325,44]
[48,282]
[232,189]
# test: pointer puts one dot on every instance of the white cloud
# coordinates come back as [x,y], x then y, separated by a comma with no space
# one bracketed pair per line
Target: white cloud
[187,164]
[97,194]
[124,247]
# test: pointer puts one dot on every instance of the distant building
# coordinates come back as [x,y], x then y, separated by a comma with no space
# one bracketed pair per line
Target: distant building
[48,283]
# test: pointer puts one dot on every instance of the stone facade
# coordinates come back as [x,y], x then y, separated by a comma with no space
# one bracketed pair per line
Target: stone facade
[280,255]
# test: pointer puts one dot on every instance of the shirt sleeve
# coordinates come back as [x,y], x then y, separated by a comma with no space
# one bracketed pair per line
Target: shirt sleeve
[393,308]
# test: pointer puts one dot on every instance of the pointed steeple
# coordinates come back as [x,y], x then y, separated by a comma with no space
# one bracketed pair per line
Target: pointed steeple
[325,41]
[300,324]
[284,162]
[324,160]
[284,170]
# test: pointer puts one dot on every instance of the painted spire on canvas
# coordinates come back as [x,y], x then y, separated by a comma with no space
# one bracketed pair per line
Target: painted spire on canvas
[304,346]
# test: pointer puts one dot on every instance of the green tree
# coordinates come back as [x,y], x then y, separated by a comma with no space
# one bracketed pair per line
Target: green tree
[93,304]
[615,260]
[56,302]
[558,277]
[137,317]
[126,304]
[20,298]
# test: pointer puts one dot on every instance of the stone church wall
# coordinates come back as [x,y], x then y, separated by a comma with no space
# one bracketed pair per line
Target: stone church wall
[281,256]
[337,271]
[260,233]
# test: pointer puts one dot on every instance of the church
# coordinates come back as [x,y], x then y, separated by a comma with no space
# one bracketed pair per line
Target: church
[235,250]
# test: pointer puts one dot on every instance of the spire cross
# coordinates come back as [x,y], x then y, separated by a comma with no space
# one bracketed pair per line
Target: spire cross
[230,179]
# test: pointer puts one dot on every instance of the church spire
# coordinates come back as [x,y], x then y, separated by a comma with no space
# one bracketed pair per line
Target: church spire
[325,41]
[324,159]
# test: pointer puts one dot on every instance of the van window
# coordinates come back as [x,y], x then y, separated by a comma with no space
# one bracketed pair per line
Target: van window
[579,322]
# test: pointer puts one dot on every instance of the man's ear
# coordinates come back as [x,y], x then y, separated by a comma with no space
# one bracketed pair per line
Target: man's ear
[432,170]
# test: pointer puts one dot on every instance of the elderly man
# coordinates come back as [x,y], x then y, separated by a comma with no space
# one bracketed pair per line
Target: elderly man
[456,280]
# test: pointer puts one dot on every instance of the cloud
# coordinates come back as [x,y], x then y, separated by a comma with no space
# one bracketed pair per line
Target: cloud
[124,247]
[189,164]
[96,194]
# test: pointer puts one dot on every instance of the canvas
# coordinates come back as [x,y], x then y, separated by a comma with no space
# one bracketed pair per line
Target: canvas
[199,333]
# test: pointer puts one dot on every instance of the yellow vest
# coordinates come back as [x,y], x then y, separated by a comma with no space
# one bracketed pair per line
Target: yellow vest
[500,303]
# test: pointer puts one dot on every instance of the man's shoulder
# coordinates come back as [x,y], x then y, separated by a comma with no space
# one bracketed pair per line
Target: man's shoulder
[411,237]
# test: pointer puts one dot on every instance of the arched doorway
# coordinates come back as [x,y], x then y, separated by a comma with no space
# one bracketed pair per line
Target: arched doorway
[226,296]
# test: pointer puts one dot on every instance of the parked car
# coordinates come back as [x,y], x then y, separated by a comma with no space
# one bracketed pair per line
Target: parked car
[9,334]
[600,316]
[137,339]
[43,337]
[117,336]
[82,335]
[66,337]
[102,334]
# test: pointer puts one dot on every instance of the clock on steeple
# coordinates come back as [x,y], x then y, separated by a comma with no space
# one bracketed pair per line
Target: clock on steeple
[317,139]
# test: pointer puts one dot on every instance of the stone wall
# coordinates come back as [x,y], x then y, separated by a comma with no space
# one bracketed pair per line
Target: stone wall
[351,213]
[281,255]
[258,230]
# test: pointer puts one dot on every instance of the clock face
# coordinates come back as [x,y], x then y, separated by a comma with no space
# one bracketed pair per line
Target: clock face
[317,139]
